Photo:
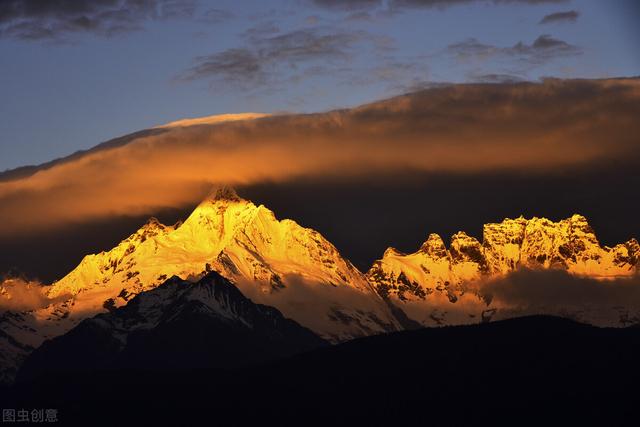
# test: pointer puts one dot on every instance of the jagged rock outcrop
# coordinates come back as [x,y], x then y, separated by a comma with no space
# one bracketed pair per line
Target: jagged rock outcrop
[433,283]
[280,264]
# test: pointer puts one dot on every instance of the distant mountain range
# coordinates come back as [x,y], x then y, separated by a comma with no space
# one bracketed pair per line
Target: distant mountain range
[435,285]
[232,270]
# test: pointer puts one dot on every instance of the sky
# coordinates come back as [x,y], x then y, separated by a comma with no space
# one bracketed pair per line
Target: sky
[77,73]
[439,160]
[385,120]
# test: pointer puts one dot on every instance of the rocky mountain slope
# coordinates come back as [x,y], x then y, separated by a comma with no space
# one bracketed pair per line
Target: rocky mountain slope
[273,262]
[280,264]
[438,285]
[178,325]
[277,263]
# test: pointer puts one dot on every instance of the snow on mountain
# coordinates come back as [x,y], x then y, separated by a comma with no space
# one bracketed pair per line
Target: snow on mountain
[178,325]
[273,262]
[280,264]
[435,285]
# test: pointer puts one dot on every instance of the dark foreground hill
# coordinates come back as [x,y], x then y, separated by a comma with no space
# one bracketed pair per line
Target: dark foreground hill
[527,371]
[178,325]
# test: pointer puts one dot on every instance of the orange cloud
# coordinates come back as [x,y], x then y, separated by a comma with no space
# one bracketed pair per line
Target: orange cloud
[18,294]
[529,127]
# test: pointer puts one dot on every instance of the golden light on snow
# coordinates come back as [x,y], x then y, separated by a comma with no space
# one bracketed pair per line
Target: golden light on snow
[296,270]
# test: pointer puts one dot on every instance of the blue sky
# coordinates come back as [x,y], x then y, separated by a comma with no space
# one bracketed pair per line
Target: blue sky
[71,87]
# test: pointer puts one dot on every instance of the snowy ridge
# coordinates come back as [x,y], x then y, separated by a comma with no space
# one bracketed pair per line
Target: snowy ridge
[224,233]
[281,264]
[273,262]
[179,324]
[431,284]
[247,244]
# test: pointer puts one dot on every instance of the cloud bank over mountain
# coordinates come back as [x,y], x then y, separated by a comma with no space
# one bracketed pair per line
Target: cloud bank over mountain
[536,290]
[557,292]
[19,294]
[457,129]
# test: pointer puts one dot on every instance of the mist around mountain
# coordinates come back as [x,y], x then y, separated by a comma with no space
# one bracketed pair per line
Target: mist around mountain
[381,174]
[272,262]
[175,326]
[405,212]
[522,267]
[458,130]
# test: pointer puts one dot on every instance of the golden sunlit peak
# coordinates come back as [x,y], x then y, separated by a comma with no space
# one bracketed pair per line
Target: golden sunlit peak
[578,218]
[223,192]
[391,251]
[153,222]
[434,245]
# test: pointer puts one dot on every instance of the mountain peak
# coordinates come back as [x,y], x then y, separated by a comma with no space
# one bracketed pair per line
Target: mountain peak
[432,286]
[223,192]
[153,223]
[434,246]
[391,251]
[578,218]
[270,260]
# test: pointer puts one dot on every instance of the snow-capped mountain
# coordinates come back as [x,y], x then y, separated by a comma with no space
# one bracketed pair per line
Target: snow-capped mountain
[277,263]
[280,264]
[435,285]
[178,325]
[273,262]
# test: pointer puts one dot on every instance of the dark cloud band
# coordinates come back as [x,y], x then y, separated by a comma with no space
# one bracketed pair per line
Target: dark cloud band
[270,59]
[49,19]
[458,129]
[568,16]
[448,3]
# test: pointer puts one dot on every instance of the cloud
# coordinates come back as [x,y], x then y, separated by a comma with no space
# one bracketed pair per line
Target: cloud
[544,49]
[441,4]
[263,29]
[471,47]
[231,65]
[269,60]
[458,129]
[554,291]
[543,42]
[360,5]
[18,294]
[363,16]
[55,20]
[496,78]
[568,16]
[308,44]
[519,58]
[347,5]
[274,58]
[311,297]
[216,16]
[393,71]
